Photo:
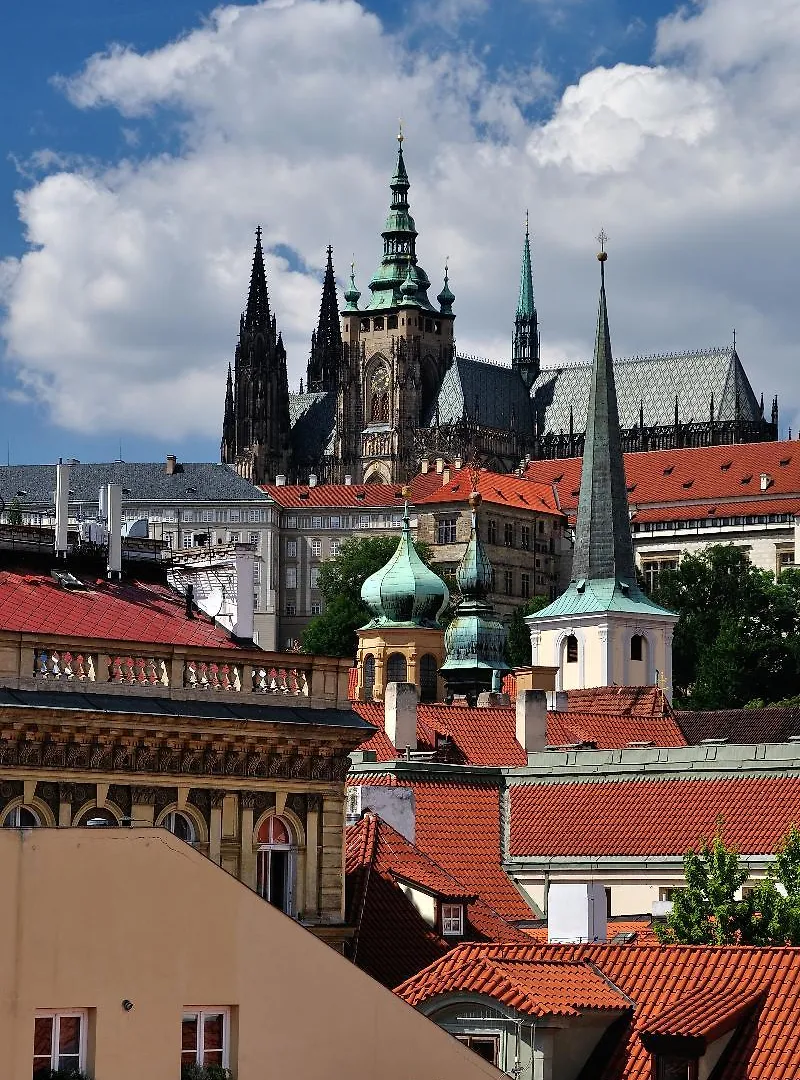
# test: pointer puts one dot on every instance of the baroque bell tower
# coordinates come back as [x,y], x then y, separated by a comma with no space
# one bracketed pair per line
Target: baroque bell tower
[397,348]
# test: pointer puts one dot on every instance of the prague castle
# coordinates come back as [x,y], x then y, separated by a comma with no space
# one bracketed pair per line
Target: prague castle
[387,388]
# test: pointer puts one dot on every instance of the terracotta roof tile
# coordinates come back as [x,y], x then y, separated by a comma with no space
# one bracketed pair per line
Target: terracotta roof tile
[656,978]
[501,489]
[704,1014]
[651,817]
[127,611]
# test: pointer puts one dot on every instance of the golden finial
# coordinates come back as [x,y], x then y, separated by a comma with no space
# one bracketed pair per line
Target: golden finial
[400,135]
[602,240]
[405,491]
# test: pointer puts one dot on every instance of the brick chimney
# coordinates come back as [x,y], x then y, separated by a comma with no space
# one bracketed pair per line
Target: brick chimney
[172,465]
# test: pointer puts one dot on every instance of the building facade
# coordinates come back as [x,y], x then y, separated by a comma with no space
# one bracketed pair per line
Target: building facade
[386,387]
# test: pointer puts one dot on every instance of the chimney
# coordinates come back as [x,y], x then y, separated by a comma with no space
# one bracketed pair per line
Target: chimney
[245,578]
[766,481]
[280,480]
[424,466]
[439,464]
[400,715]
[576,913]
[190,601]
[62,508]
[102,503]
[557,701]
[348,479]
[458,463]
[312,479]
[445,475]
[396,805]
[172,464]
[114,505]
[532,720]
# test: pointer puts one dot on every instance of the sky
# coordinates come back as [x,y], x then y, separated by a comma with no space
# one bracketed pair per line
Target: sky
[143,142]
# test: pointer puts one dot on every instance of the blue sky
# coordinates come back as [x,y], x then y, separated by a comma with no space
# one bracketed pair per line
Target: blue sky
[594,112]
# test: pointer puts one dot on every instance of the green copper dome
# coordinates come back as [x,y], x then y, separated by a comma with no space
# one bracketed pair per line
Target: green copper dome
[446,298]
[475,640]
[399,251]
[404,591]
[352,294]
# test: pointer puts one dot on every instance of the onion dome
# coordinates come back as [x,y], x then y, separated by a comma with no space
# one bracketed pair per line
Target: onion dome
[475,640]
[352,295]
[408,290]
[446,298]
[405,591]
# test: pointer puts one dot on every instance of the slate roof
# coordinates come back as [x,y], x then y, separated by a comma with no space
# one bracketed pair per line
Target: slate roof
[651,817]
[458,826]
[491,395]
[770,725]
[488,736]
[392,941]
[766,1045]
[670,484]
[117,611]
[653,381]
[312,420]
[194,481]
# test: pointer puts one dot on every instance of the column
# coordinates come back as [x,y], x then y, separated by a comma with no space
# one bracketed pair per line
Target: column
[314,803]
[143,806]
[331,890]
[247,850]
[65,792]
[215,831]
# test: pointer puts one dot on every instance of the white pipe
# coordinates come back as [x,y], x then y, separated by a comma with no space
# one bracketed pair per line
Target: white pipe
[114,506]
[245,581]
[62,507]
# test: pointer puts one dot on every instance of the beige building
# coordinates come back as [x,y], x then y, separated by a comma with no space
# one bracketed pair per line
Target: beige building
[128,954]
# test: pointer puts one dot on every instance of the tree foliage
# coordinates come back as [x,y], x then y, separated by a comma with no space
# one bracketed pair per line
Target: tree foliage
[707,911]
[333,633]
[737,636]
[518,647]
[14,512]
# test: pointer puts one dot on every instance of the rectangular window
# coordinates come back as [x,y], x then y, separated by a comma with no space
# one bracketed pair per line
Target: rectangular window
[525,586]
[364,521]
[316,523]
[234,538]
[291,521]
[452,920]
[334,546]
[397,521]
[492,531]
[313,577]
[541,525]
[291,577]
[291,549]
[291,609]
[316,608]
[188,540]
[169,539]
[652,568]
[485,1046]
[59,1042]
[525,537]
[205,1037]
[316,549]
[391,322]
[446,530]
[336,521]
[234,515]
[676,1068]
[508,582]
[254,538]
[508,534]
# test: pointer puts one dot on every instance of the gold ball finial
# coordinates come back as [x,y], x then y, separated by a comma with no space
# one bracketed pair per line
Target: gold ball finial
[475,499]
[405,491]
[602,256]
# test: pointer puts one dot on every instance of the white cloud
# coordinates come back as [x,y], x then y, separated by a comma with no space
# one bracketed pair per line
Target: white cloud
[122,313]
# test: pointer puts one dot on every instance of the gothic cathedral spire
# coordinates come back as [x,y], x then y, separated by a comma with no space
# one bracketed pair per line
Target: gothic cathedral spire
[326,340]
[525,346]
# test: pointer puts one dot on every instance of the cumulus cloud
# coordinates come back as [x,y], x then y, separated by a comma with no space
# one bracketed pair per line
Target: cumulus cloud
[123,311]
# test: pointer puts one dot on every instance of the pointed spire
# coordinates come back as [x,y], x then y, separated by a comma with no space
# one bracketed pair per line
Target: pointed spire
[525,304]
[257,316]
[603,545]
[352,295]
[525,345]
[326,342]
[446,298]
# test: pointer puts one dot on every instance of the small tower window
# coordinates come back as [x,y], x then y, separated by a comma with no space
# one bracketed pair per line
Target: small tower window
[391,322]
[369,676]
[364,325]
[572,649]
[396,668]
[429,326]
[427,677]
[637,647]
[377,323]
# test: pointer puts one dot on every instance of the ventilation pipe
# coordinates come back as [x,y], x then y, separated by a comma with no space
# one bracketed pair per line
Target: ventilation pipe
[102,503]
[400,715]
[245,609]
[62,508]
[114,507]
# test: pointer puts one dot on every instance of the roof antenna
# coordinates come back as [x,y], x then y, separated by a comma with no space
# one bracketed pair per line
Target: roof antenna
[734,339]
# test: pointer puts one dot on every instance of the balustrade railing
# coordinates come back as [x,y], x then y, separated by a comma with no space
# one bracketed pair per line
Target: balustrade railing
[58,664]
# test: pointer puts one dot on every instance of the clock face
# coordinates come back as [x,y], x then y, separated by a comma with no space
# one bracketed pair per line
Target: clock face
[380,381]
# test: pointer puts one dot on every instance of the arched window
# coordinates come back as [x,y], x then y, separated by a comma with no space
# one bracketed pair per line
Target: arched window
[21,817]
[572,649]
[379,395]
[276,863]
[637,647]
[93,815]
[396,668]
[369,676]
[427,677]
[181,825]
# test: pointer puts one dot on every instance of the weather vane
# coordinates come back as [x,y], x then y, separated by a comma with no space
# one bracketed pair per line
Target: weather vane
[400,135]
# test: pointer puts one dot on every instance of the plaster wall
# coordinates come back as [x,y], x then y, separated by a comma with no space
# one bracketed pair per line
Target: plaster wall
[91,917]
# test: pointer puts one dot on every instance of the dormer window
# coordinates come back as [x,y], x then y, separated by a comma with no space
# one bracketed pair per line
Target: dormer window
[453,920]
[675,1068]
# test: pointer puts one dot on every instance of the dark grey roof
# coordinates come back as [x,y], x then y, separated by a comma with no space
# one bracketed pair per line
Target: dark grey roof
[653,381]
[145,481]
[313,422]
[207,709]
[773,724]
[491,395]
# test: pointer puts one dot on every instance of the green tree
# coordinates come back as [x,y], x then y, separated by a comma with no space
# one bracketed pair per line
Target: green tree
[14,512]
[706,911]
[776,899]
[737,636]
[333,633]
[518,647]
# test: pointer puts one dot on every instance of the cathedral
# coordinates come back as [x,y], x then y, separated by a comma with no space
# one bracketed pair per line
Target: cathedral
[387,388]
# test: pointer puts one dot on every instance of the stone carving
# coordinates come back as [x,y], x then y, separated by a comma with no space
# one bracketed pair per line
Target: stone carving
[145,796]
[247,800]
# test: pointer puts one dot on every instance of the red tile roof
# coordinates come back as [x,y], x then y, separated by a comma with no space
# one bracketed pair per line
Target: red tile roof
[392,941]
[488,736]
[458,826]
[651,817]
[298,496]
[766,1045]
[641,926]
[692,480]
[501,489]
[704,1014]
[127,611]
